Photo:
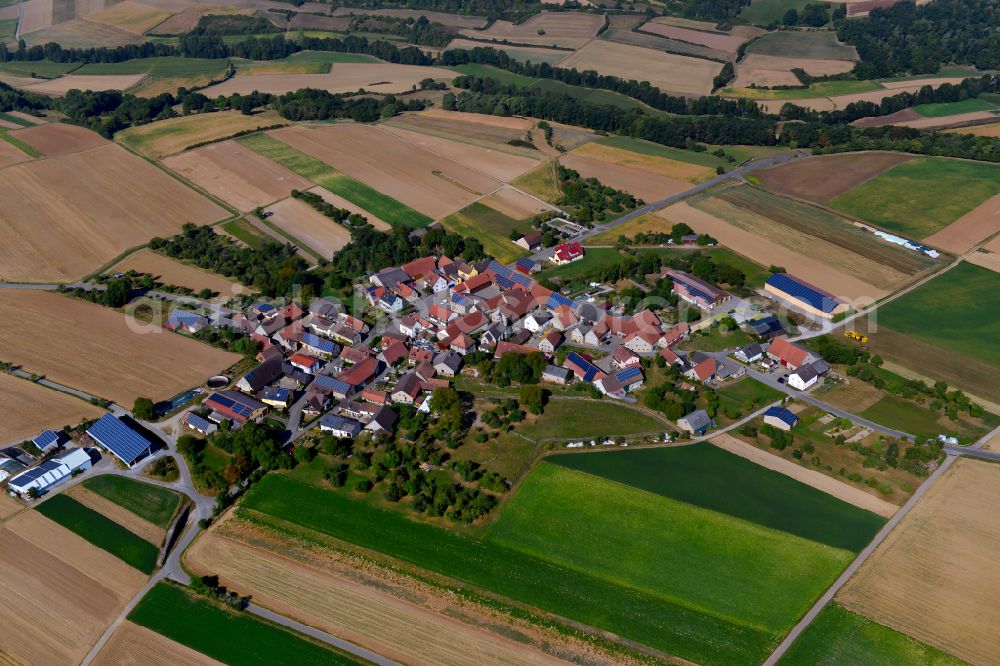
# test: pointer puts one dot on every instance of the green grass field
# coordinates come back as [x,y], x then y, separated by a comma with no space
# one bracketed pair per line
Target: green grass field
[491,227]
[541,182]
[648,148]
[306,62]
[592,258]
[708,477]
[956,311]
[922,196]
[229,636]
[749,390]
[691,556]
[102,532]
[904,415]
[943,109]
[43,68]
[819,89]
[575,418]
[629,612]
[8,28]
[370,199]
[838,636]
[152,503]
[488,71]
[244,231]
[20,145]
[160,66]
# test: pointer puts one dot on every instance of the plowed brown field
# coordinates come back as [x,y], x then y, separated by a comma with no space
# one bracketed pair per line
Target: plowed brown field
[822,178]
[93,348]
[673,73]
[935,577]
[310,226]
[969,230]
[59,139]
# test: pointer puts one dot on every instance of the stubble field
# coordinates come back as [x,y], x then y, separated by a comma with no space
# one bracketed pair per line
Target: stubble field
[98,352]
[132,645]
[564,29]
[170,271]
[171,136]
[636,181]
[51,573]
[30,408]
[304,223]
[934,576]
[671,73]
[380,77]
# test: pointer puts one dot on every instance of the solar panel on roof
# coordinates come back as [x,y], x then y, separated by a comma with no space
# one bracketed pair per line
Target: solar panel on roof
[522,280]
[115,436]
[628,374]
[235,407]
[197,422]
[45,438]
[317,342]
[504,282]
[814,297]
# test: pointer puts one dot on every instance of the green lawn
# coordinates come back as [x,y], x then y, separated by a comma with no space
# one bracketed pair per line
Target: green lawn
[491,227]
[838,636]
[749,390]
[716,340]
[152,503]
[631,613]
[904,415]
[159,66]
[693,557]
[229,636]
[956,311]
[488,71]
[101,531]
[648,148]
[763,12]
[592,258]
[706,476]
[44,68]
[922,196]
[943,109]
[577,418]
[321,173]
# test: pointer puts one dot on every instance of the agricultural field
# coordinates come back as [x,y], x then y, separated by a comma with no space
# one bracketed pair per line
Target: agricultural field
[12,151]
[58,139]
[643,156]
[236,174]
[29,408]
[452,20]
[62,85]
[429,183]
[140,527]
[187,18]
[130,16]
[568,418]
[803,45]
[381,610]
[491,226]
[54,574]
[378,77]
[569,30]
[303,62]
[521,53]
[165,74]
[839,636]
[989,129]
[811,96]
[153,504]
[40,68]
[962,303]
[220,633]
[174,135]
[933,577]
[640,175]
[307,227]
[339,183]
[67,216]
[99,351]
[171,271]
[825,177]
[987,256]
[922,196]
[79,33]
[101,531]
[132,644]
[671,73]
[493,133]
[704,34]
[944,109]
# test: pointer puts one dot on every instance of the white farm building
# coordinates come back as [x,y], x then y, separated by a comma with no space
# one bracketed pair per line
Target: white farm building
[50,473]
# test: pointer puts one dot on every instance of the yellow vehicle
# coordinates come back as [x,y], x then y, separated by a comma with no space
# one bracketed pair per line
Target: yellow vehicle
[854,335]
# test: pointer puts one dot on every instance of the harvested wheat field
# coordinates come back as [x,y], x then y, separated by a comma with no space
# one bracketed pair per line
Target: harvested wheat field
[341,202]
[319,591]
[58,139]
[98,350]
[132,645]
[969,230]
[987,256]
[909,83]
[428,183]
[991,129]
[492,132]
[306,224]
[82,33]
[343,77]
[533,54]
[9,506]
[236,174]
[662,166]
[65,217]
[497,164]
[130,16]
[715,40]
[37,15]
[171,271]
[823,178]
[810,477]
[515,204]
[187,19]
[641,184]
[11,154]
[777,246]
[671,73]
[897,118]
[768,71]
[62,85]
[646,224]
[29,408]
[118,514]
[174,135]
[935,577]
[563,29]
[53,574]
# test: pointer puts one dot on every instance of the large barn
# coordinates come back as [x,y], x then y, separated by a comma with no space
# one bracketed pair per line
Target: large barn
[122,441]
[804,296]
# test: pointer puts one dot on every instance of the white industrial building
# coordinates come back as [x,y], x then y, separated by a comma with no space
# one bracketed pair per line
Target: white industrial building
[50,473]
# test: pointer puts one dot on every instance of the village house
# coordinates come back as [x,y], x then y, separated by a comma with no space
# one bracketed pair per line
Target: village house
[447,364]
[703,371]
[276,397]
[566,253]
[537,321]
[340,426]
[750,353]
[789,354]
[696,291]
[556,375]
[317,346]
[551,342]
[185,320]
[697,422]
[234,407]
[671,357]
[530,241]
[766,328]
[384,420]
[306,363]
[264,374]
[642,342]
[624,357]
[407,389]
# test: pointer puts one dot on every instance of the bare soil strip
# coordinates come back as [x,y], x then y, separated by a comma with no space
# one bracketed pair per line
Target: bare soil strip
[987,256]
[828,485]
[118,514]
[29,408]
[60,592]
[935,577]
[59,139]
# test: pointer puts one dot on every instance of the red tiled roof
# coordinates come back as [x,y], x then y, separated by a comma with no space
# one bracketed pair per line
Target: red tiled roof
[669,355]
[504,347]
[361,373]
[705,369]
[420,267]
[395,352]
[304,360]
[567,251]
[376,397]
[789,352]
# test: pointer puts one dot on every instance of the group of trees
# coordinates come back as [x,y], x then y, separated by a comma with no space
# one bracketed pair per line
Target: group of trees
[590,201]
[511,369]
[412,31]
[315,104]
[234,24]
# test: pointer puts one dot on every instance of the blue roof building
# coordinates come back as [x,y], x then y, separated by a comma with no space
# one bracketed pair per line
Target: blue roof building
[341,426]
[124,443]
[780,418]
[46,440]
[321,345]
[766,327]
[805,296]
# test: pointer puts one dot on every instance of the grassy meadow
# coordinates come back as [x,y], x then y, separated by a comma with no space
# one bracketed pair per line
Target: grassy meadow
[542,182]
[101,531]
[592,258]
[920,197]
[152,503]
[818,89]
[706,159]
[944,109]
[491,227]
[166,66]
[575,418]
[321,173]
[838,636]
[229,636]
